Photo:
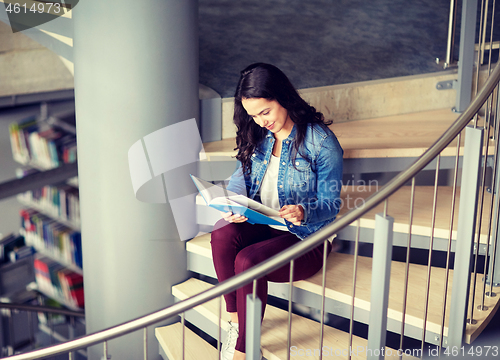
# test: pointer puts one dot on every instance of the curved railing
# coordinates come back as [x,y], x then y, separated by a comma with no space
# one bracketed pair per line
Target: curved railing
[42,309]
[287,256]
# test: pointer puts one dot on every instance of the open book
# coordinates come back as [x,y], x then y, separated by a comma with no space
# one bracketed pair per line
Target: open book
[225,200]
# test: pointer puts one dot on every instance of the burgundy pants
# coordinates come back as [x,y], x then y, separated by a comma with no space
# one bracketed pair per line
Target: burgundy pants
[238,247]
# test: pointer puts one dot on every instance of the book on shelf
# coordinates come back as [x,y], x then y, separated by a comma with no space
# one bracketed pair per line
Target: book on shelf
[61,202]
[228,201]
[52,319]
[20,253]
[58,282]
[52,237]
[36,143]
[72,286]
[18,133]
[8,244]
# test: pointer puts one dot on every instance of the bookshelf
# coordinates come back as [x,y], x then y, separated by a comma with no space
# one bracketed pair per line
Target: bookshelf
[50,220]
[54,295]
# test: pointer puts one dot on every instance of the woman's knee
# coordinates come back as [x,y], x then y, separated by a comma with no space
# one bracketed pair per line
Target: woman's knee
[223,233]
[244,261]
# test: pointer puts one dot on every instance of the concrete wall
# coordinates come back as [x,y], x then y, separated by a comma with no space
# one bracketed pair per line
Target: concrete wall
[27,67]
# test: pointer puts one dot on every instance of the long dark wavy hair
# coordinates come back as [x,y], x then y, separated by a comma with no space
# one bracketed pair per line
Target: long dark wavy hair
[266,81]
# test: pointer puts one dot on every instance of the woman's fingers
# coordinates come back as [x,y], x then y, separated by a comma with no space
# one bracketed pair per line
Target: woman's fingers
[292,213]
[237,218]
[234,218]
[226,215]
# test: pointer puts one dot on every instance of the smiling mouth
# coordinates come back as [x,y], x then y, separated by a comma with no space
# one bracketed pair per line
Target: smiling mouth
[269,127]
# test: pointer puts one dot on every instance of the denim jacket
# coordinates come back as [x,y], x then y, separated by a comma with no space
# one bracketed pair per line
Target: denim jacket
[314,184]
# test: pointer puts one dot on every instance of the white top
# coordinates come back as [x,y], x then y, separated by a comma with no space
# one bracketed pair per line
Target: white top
[269,188]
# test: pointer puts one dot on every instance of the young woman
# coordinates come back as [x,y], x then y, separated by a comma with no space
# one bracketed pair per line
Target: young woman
[290,161]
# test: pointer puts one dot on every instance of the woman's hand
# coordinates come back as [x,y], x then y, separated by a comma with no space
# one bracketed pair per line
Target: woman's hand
[236,218]
[292,213]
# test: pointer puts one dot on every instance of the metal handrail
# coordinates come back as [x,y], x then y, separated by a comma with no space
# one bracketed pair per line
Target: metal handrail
[44,309]
[286,256]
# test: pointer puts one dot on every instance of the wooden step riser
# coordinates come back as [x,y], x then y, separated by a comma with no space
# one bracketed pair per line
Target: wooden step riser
[361,315]
[370,99]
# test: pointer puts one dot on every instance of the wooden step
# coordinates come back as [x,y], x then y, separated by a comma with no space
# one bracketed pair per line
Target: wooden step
[339,290]
[170,339]
[305,332]
[405,135]
[399,209]
[339,287]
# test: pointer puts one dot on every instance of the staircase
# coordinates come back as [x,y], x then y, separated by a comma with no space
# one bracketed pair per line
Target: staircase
[363,141]
[338,295]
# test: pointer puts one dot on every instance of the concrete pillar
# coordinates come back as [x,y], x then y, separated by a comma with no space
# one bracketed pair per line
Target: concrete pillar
[136,72]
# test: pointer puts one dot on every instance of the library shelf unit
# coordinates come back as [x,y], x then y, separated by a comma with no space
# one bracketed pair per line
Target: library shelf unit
[50,220]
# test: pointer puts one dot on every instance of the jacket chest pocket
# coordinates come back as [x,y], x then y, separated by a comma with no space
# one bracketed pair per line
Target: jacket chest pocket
[257,159]
[258,166]
[299,174]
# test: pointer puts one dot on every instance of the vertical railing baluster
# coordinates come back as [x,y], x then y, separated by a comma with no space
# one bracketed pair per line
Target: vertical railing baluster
[31,326]
[482,184]
[379,298]
[407,266]
[70,356]
[493,263]
[354,275]
[465,235]
[494,115]
[491,37]
[105,350]
[71,328]
[290,296]
[183,343]
[11,332]
[145,343]
[51,327]
[450,45]
[323,298]
[478,67]
[490,215]
[431,247]
[495,192]
[219,333]
[253,329]
[450,237]
[483,40]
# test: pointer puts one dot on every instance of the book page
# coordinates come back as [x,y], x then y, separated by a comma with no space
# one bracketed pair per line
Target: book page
[210,191]
[254,205]
[216,195]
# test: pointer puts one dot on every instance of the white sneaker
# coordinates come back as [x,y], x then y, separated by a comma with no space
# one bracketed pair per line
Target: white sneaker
[229,344]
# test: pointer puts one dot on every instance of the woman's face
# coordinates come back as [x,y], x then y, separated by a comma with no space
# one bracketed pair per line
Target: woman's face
[269,114]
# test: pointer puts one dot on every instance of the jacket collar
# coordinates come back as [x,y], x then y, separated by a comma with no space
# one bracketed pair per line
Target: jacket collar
[291,136]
